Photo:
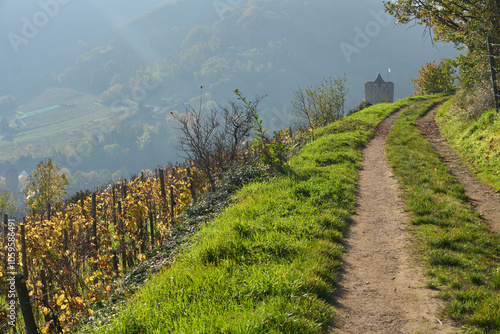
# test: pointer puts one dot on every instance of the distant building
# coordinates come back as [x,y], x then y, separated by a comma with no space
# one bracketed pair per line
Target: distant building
[379,90]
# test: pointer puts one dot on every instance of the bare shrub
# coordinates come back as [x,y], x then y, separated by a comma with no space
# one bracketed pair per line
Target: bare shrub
[318,106]
[211,139]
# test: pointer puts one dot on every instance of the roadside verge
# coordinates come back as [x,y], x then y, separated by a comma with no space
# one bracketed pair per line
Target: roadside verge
[459,250]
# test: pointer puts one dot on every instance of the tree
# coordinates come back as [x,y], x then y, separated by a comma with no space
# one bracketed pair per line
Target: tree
[46,185]
[463,22]
[458,21]
[272,152]
[210,139]
[435,79]
[318,106]
[238,120]
[111,94]
[7,204]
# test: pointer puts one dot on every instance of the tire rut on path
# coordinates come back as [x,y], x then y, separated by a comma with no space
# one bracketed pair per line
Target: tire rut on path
[481,196]
[381,289]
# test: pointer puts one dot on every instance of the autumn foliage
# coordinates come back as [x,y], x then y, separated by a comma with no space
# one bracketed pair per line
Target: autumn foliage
[83,247]
[434,79]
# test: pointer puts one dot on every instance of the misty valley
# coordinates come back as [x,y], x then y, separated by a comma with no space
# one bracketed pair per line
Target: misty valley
[96,95]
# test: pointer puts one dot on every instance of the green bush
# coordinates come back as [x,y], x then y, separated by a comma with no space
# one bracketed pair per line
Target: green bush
[435,79]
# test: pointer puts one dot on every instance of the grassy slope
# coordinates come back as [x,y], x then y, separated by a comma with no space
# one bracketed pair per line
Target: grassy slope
[269,262]
[462,255]
[478,141]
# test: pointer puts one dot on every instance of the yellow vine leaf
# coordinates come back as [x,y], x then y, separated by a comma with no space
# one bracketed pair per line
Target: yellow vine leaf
[60,299]
[45,329]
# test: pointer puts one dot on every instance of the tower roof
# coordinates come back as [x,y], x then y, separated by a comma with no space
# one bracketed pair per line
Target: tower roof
[379,79]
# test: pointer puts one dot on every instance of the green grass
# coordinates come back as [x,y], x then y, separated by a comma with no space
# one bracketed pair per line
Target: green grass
[269,263]
[476,140]
[462,254]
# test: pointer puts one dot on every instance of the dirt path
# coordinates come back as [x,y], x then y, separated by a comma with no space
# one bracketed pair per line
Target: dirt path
[381,289]
[483,198]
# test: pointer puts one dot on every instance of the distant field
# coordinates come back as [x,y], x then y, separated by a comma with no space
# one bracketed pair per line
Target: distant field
[58,117]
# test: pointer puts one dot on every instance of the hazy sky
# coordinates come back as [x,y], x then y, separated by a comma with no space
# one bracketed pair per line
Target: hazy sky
[42,40]
[46,36]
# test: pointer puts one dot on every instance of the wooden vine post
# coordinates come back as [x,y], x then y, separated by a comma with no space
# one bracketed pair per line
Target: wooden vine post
[191,185]
[121,237]
[115,263]
[124,190]
[24,301]
[45,293]
[114,205]
[82,205]
[5,241]
[142,234]
[491,56]
[162,187]
[94,224]
[152,229]
[172,203]
[23,249]
[65,240]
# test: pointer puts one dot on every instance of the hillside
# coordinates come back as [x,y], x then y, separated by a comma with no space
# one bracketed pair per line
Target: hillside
[256,206]
[257,269]
[155,61]
[291,253]
[256,296]
[257,46]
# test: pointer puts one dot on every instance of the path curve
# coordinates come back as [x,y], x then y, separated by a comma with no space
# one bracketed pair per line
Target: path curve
[482,197]
[381,289]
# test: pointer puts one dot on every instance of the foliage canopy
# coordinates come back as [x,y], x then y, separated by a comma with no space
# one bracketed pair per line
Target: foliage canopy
[465,23]
[318,106]
[7,204]
[458,21]
[434,79]
[46,185]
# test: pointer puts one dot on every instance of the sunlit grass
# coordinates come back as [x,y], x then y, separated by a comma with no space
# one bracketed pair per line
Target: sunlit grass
[476,140]
[461,253]
[269,263]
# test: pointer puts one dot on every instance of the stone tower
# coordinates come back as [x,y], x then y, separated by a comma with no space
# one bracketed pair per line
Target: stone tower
[379,89]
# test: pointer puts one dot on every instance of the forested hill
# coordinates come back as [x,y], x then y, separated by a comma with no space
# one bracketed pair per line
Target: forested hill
[267,47]
[92,60]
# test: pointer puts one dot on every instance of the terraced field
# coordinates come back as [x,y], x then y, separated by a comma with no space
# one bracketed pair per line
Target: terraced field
[59,117]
